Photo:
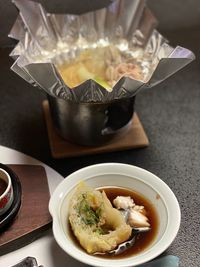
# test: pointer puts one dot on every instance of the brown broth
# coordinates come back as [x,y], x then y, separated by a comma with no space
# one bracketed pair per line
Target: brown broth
[143,240]
[3,186]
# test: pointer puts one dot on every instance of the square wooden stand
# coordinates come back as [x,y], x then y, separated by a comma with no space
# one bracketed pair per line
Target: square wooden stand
[134,137]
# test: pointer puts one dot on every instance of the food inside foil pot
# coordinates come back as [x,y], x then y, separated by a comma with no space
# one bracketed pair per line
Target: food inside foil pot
[106,65]
[117,47]
[98,222]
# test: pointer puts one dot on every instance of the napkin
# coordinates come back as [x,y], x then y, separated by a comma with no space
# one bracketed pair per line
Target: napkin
[165,261]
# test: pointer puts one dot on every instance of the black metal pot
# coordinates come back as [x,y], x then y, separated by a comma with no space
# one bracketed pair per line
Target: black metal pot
[91,124]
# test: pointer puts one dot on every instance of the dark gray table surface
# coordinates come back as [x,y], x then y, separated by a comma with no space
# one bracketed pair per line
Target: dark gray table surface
[170,114]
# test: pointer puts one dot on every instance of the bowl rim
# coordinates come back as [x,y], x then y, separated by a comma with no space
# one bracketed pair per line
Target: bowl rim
[8,182]
[172,207]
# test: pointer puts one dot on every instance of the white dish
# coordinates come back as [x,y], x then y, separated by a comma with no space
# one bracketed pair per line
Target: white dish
[44,249]
[122,175]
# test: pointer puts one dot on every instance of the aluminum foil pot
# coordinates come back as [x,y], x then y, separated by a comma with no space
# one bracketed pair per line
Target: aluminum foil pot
[81,113]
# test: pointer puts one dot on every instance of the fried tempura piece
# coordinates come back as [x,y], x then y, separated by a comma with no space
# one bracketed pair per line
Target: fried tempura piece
[97,225]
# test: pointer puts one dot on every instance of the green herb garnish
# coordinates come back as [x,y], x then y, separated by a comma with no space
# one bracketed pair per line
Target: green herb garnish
[87,214]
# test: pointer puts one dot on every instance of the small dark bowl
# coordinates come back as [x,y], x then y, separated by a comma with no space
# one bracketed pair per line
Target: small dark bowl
[91,124]
[10,214]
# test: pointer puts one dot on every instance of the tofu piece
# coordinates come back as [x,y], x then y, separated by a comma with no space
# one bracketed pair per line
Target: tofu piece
[121,202]
[137,219]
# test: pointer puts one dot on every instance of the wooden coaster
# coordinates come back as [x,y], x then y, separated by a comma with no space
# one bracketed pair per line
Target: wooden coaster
[135,137]
[33,216]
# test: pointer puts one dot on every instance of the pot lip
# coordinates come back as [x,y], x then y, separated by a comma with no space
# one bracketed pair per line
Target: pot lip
[114,101]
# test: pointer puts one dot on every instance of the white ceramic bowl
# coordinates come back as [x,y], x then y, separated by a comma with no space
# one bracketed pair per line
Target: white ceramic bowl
[123,175]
